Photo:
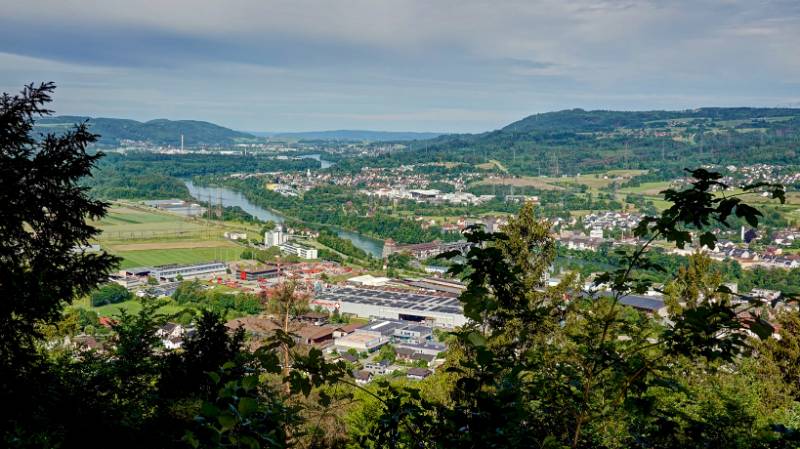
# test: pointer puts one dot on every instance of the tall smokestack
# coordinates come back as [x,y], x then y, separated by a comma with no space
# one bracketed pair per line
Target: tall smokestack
[181,142]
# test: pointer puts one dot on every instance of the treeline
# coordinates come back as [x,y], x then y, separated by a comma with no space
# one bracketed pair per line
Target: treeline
[195,294]
[147,175]
[113,183]
[344,246]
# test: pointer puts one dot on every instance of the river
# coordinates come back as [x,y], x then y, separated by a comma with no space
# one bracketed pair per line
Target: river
[230,197]
[322,162]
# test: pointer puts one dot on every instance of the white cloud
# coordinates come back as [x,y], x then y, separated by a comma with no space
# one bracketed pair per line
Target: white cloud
[261,64]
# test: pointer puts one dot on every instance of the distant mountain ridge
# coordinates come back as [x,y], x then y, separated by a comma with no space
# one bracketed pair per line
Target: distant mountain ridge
[579,120]
[351,134]
[579,141]
[158,132]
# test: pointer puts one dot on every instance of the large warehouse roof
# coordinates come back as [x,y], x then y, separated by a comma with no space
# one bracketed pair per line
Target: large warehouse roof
[419,304]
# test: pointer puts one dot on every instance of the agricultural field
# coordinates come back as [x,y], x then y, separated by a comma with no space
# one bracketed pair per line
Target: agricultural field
[542,183]
[647,188]
[594,182]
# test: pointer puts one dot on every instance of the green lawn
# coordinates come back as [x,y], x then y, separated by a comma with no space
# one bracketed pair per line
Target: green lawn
[132,306]
[183,256]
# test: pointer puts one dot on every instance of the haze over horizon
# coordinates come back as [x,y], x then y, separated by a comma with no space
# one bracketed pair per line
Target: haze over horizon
[416,66]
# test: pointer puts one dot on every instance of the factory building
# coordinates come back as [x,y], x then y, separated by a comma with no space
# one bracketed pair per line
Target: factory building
[167,272]
[254,273]
[443,311]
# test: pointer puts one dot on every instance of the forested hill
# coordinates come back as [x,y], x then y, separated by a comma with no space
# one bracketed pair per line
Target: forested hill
[158,132]
[573,141]
[578,120]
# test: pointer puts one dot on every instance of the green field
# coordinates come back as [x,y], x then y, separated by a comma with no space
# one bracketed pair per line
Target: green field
[183,256]
[148,237]
[132,306]
[647,188]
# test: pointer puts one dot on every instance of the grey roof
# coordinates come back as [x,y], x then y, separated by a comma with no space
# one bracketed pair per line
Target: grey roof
[384,327]
[400,300]
[419,372]
[362,375]
[420,329]
[642,302]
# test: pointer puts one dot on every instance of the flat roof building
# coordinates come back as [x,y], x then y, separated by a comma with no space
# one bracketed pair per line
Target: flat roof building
[188,271]
[438,310]
[254,273]
[301,251]
[172,271]
[361,342]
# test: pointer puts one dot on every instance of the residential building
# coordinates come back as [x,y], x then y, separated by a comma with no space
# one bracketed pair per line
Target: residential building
[378,368]
[362,377]
[275,237]
[418,373]
[301,251]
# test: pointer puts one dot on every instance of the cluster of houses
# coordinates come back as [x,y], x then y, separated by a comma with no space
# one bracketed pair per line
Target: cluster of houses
[771,257]
[611,220]
[432,196]
[412,343]
[751,174]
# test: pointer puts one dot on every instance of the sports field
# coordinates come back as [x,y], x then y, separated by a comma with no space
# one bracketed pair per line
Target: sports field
[123,223]
[183,256]
[147,237]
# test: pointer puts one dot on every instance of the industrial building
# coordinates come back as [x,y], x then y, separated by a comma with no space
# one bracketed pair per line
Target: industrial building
[168,272]
[421,251]
[361,342]
[177,206]
[254,273]
[437,284]
[444,311]
[189,271]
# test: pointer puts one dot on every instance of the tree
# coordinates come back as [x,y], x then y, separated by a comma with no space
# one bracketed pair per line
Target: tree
[189,292]
[43,226]
[386,352]
[111,293]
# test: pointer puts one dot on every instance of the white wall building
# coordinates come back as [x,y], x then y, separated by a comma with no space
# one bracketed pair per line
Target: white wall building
[275,237]
[303,252]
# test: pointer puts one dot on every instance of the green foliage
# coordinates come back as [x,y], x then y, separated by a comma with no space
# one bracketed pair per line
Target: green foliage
[193,292]
[43,217]
[537,365]
[335,206]
[111,293]
[341,245]
[386,353]
[578,141]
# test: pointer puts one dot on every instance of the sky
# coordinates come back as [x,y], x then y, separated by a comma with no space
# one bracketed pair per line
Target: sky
[401,65]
